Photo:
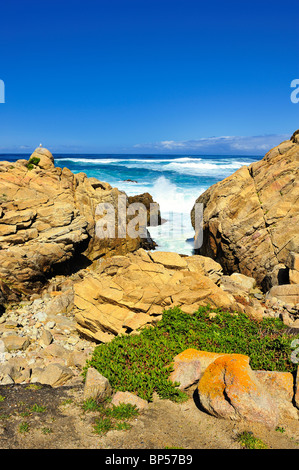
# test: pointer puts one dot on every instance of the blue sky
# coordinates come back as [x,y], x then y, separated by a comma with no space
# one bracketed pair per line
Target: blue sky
[148,76]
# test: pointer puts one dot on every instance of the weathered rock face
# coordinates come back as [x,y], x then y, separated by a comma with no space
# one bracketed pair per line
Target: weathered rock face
[292,263]
[288,293]
[251,218]
[125,293]
[189,366]
[280,386]
[96,386]
[47,218]
[152,208]
[230,389]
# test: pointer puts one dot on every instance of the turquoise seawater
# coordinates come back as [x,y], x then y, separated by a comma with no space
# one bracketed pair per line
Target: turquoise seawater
[174,181]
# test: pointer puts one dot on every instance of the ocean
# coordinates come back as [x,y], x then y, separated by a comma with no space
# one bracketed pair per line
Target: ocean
[174,181]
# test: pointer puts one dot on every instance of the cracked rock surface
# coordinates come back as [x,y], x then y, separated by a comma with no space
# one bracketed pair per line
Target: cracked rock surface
[251,218]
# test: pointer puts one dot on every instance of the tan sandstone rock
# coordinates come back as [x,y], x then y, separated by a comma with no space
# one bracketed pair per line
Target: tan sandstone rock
[251,218]
[15,343]
[54,374]
[292,263]
[48,220]
[96,386]
[288,293]
[46,158]
[296,396]
[280,385]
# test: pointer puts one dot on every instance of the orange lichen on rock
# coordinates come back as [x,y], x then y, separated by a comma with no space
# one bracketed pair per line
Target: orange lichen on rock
[229,389]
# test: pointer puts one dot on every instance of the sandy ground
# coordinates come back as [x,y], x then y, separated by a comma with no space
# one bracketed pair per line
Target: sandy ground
[164,425]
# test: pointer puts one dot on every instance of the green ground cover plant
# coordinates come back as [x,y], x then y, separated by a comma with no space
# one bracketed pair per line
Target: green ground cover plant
[141,363]
[24,427]
[38,408]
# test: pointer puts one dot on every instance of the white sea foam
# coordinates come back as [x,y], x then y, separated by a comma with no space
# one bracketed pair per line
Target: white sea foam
[202,168]
[175,205]
[175,192]
[170,197]
[125,161]
[182,165]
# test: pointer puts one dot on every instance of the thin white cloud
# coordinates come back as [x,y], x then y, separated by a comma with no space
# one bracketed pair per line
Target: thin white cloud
[221,144]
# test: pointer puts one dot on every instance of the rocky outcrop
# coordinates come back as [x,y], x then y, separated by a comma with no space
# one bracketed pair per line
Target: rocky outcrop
[251,218]
[124,293]
[48,221]
[228,388]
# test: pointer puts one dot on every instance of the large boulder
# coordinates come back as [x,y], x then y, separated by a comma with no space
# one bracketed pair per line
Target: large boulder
[125,293]
[44,157]
[48,220]
[280,386]
[230,389]
[251,218]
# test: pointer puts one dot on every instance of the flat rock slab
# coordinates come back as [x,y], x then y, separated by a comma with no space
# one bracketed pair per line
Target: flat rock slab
[128,292]
[15,343]
[288,293]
